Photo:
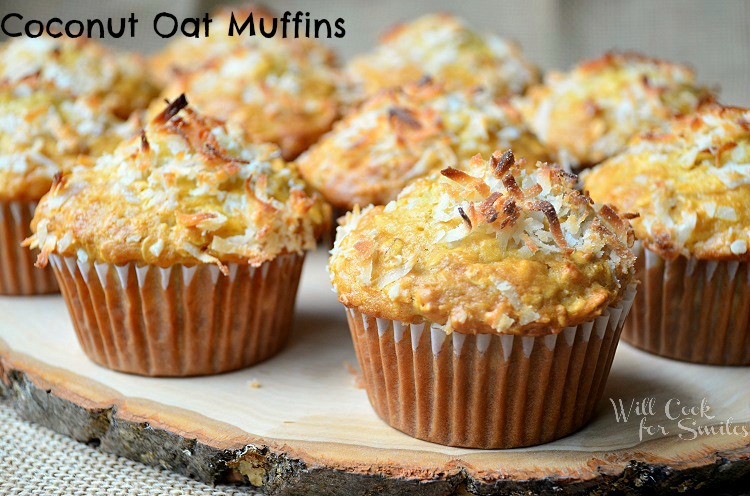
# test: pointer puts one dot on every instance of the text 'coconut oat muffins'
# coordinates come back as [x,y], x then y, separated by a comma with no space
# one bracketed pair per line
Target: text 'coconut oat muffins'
[485,303]
[446,49]
[406,133]
[590,112]
[690,183]
[180,252]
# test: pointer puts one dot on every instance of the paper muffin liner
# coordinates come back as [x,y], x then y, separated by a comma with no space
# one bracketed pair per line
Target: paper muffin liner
[486,390]
[18,276]
[179,321]
[691,310]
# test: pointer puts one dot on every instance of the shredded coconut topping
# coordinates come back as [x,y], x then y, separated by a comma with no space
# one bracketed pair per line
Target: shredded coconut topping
[589,113]
[508,247]
[445,48]
[694,199]
[187,190]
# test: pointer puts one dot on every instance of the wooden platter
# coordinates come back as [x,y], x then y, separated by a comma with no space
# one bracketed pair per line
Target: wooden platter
[298,423]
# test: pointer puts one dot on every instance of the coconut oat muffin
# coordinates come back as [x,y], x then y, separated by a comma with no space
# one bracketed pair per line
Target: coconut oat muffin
[405,133]
[114,82]
[278,91]
[690,184]
[590,112]
[183,223]
[447,49]
[43,130]
[186,55]
[472,273]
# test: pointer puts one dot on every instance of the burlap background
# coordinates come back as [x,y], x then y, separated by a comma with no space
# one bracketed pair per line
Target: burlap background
[37,461]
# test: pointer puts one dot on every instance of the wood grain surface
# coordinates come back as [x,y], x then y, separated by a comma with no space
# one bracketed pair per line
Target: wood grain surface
[298,423]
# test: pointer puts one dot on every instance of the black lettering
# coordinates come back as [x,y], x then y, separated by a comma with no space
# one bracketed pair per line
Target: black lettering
[111,29]
[191,27]
[340,31]
[5,30]
[234,27]
[31,23]
[132,20]
[320,22]
[54,20]
[263,31]
[91,23]
[206,21]
[69,30]
[174,24]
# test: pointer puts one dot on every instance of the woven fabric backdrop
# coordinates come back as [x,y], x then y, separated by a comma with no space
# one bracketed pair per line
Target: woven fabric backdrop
[37,461]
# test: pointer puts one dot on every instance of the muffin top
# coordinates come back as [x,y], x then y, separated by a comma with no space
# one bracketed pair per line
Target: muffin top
[43,130]
[405,133]
[280,92]
[117,81]
[589,113]
[444,48]
[188,190]
[493,248]
[690,183]
[185,55]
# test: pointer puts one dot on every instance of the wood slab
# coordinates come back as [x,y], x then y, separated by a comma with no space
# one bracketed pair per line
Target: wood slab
[308,429]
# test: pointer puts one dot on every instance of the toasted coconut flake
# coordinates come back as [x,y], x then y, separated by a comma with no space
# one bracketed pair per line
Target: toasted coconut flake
[405,116]
[172,109]
[502,163]
[465,217]
[554,222]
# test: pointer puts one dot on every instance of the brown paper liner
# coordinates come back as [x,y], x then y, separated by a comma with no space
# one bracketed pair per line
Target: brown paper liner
[485,390]
[692,310]
[179,321]
[18,276]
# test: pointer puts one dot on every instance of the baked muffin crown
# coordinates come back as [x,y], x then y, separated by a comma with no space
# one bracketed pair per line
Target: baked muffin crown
[590,112]
[188,190]
[117,81]
[690,183]
[281,91]
[447,49]
[405,133]
[44,129]
[494,247]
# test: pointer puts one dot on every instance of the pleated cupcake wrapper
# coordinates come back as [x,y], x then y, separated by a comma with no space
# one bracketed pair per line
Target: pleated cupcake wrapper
[486,390]
[18,276]
[179,321]
[692,310]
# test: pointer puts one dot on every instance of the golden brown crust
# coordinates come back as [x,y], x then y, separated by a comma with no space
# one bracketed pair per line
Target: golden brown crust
[443,47]
[44,130]
[188,190]
[492,248]
[690,183]
[406,133]
[115,82]
[590,112]
[281,91]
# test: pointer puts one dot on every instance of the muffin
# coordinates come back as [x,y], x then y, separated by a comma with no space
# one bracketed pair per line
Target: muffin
[447,49]
[406,133]
[690,184]
[186,55]
[485,304]
[180,252]
[589,113]
[279,91]
[113,81]
[43,130]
